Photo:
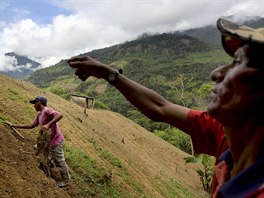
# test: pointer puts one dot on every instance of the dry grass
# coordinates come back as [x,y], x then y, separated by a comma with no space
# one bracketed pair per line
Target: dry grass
[141,164]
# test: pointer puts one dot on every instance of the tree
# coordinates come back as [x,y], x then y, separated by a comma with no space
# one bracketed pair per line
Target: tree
[205,174]
[176,137]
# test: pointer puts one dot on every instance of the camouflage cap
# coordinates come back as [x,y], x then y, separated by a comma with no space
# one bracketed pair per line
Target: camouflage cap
[233,35]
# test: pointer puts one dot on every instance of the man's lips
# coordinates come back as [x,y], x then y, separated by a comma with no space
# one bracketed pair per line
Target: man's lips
[214,94]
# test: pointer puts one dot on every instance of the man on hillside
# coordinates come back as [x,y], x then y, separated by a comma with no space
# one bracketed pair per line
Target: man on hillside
[47,118]
[232,128]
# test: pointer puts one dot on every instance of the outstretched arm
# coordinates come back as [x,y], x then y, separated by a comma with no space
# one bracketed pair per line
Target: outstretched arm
[146,100]
[23,126]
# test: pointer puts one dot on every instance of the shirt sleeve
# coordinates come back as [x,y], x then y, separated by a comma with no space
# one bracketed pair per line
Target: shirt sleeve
[207,133]
[51,113]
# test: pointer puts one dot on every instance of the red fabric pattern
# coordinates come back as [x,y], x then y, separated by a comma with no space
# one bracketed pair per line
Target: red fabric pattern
[221,175]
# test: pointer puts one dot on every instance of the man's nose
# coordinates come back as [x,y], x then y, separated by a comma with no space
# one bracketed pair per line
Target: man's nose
[219,73]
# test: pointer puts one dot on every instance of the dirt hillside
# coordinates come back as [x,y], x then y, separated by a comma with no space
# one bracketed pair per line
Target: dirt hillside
[156,166]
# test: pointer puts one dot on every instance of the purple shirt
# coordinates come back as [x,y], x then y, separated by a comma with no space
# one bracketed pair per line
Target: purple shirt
[45,117]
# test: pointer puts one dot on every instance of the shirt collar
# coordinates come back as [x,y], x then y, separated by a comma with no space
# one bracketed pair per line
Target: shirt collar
[245,182]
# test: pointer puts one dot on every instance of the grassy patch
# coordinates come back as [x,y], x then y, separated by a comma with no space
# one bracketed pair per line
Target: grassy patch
[88,175]
[119,64]
[14,95]
[5,117]
[91,141]
[60,91]
[100,105]
[215,56]
[110,158]
[172,188]
[31,111]
[133,183]
[91,178]
[2,119]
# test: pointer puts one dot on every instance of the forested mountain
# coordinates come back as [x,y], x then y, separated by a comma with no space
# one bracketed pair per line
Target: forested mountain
[202,34]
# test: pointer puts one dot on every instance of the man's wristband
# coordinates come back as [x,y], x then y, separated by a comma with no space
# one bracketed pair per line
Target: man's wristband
[113,76]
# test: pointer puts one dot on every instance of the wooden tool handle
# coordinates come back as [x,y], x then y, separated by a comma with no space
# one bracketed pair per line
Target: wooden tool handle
[13,128]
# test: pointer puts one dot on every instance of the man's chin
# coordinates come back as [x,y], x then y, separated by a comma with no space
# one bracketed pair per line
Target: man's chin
[217,113]
[212,110]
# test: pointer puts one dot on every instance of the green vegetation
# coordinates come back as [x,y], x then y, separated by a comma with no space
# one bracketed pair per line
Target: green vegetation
[14,95]
[100,105]
[175,189]
[176,137]
[60,91]
[5,117]
[109,157]
[92,178]
[88,174]
[205,174]
[130,180]
[2,119]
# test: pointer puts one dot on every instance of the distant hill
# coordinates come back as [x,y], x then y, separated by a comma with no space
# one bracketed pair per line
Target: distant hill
[96,145]
[23,68]
[208,34]
[171,53]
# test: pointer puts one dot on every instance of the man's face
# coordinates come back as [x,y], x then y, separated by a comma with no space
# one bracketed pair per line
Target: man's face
[238,89]
[37,106]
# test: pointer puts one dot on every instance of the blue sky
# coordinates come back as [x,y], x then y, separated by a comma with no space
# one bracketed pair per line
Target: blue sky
[50,30]
[42,11]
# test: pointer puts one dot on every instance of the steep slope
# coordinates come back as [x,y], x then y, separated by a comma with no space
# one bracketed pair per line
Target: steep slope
[141,164]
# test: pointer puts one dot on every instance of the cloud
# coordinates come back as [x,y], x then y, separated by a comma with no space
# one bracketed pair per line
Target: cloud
[135,16]
[65,37]
[247,8]
[97,24]
[8,63]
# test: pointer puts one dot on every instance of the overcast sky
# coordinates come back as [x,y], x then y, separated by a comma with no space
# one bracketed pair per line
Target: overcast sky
[50,30]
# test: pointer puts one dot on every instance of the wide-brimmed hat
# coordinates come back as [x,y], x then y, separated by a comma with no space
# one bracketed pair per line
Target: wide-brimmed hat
[233,35]
[40,99]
